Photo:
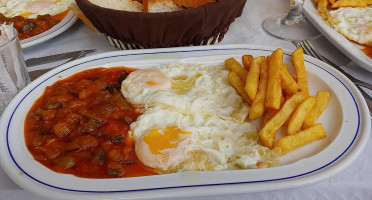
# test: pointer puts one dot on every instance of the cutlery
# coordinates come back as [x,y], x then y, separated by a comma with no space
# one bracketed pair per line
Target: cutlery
[35,74]
[57,57]
[309,50]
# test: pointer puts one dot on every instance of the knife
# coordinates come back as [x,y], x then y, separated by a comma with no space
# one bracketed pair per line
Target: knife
[35,74]
[57,57]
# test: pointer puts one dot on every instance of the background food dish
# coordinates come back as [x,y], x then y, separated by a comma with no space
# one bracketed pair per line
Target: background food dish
[297,168]
[59,28]
[350,49]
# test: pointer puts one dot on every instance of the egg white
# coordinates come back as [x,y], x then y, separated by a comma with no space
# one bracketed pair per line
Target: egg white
[32,8]
[140,85]
[193,88]
[354,23]
[212,143]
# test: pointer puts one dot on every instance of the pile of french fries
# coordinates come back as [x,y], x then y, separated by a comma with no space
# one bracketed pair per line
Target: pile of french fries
[324,5]
[266,85]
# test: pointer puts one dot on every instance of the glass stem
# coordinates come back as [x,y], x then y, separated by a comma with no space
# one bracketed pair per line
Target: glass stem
[295,13]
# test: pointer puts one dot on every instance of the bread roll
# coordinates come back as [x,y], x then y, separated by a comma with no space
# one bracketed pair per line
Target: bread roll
[127,5]
[160,6]
[77,12]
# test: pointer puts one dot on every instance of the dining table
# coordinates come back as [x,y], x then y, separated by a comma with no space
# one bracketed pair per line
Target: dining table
[354,182]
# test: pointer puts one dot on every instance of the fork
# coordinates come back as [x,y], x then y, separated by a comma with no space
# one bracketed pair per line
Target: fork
[309,50]
[37,73]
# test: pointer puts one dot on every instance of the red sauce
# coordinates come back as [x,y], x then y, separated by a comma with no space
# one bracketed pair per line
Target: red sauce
[61,15]
[367,51]
[80,126]
[27,28]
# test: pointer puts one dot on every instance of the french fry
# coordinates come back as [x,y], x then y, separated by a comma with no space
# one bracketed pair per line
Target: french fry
[323,4]
[268,132]
[238,84]
[298,116]
[290,142]
[332,1]
[235,66]
[287,121]
[270,113]
[247,61]
[299,65]
[262,87]
[349,3]
[322,99]
[368,2]
[258,104]
[322,8]
[288,84]
[251,83]
[274,91]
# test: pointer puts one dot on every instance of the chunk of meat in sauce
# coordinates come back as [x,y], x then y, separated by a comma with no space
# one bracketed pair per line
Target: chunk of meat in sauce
[82,143]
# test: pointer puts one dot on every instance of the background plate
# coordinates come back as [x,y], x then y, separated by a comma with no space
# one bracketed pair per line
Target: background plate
[59,28]
[350,49]
[346,120]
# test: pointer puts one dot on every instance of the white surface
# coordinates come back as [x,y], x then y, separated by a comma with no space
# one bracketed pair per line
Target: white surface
[355,182]
[346,121]
[59,28]
[350,49]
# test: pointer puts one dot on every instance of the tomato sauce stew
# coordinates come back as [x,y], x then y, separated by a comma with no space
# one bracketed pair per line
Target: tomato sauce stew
[80,126]
[368,51]
[27,28]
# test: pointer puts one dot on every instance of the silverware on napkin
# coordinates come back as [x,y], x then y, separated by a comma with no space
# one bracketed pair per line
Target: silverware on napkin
[53,58]
[57,57]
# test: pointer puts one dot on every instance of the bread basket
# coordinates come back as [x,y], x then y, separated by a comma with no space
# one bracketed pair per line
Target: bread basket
[204,25]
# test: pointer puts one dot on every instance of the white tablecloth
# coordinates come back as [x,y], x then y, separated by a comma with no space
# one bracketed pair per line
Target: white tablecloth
[355,182]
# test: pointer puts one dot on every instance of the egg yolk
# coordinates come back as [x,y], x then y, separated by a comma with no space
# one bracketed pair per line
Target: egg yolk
[26,14]
[168,137]
[183,84]
[147,78]
[151,83]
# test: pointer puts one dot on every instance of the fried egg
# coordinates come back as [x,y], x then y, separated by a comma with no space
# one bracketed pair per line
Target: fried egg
[32,8]
[354,23]
[170,141]
[192,120]
[185,88]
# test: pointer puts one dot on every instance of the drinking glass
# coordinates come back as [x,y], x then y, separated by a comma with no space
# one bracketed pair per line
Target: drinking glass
[292,26]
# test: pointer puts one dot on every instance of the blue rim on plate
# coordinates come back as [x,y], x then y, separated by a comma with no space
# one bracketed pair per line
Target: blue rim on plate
[77,63]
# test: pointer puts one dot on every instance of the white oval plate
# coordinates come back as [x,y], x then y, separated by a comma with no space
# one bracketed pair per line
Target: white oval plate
[56,30]
[346,120]
[350,49]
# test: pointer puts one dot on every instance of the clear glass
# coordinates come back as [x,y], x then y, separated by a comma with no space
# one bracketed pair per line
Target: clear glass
[292,26]
[13,73]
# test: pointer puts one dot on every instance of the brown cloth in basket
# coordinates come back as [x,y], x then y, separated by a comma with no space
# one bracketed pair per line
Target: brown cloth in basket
[169,29]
